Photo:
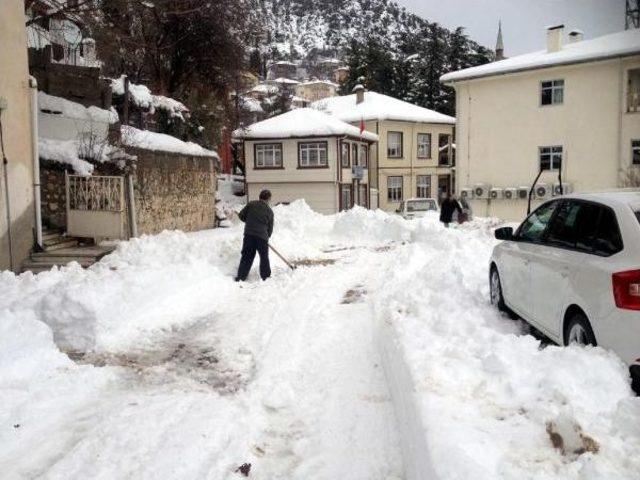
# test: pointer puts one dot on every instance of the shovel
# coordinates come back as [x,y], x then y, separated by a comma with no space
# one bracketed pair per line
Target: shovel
[282,258]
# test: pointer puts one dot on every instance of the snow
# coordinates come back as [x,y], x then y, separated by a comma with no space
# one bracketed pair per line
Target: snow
[265,89]
[302,122]
[377,106]
[142,97]
[285,81]
[73,110]
[252,105]
[388,363]
[608,46]
[145,139]
[65,152]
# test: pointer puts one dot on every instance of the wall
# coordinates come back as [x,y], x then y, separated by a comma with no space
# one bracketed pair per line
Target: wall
[16,125]
[409,166]
[53,194]
[173,192]
[321,197]
[501,125]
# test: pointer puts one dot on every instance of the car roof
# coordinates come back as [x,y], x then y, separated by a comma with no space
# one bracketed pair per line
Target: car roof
[628,198]
[419,199]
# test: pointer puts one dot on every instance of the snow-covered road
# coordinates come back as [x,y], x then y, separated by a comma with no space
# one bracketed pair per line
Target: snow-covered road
[176,372]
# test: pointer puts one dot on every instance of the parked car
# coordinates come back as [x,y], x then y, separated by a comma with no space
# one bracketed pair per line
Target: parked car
[572,270]
[417,207]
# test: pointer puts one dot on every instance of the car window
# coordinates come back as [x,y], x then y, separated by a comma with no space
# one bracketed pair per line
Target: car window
[638,216]
[608,239]
[421,205]
[533,228]
[574,225]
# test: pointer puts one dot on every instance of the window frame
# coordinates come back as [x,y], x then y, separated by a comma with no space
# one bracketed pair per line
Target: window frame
[551,157]
[364,148]
[343,144]
[401,187]
[311,167]
[427,186]
[553,89]
[401,149]
[355,150]
[429,154]
[445,153]
[343,187]
[635,148]
[265,144]
[517,235]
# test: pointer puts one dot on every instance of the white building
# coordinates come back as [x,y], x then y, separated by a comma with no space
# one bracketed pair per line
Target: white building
[570,111]
[307,154]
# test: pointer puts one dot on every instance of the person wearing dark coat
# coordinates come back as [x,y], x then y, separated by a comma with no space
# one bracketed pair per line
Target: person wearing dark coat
[258,227]
[448,206]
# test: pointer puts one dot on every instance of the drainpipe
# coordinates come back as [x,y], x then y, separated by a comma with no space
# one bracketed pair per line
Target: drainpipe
[33,84]
[131,197]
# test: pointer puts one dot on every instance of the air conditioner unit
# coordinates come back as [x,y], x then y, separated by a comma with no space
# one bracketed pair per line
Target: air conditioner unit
[542,191]
[466,193]
[566,189]
[481,190]
[496,193]
[523,193]
[510,193]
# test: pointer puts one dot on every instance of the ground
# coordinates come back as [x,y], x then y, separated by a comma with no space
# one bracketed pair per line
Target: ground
[379,357]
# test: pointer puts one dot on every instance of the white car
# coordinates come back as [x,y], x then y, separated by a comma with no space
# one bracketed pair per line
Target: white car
[572,270]
[417,207]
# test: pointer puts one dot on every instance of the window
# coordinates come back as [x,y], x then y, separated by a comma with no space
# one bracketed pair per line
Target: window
[608,239]
[638,215]
[534,226]
[394,189]
[344,155]
[444,149]
[345,197]
[362,195]
[424,186]
[633,92]
[424,145]
[394,144]
[552,92]
[268,155]
[364,156]
[550,158]
[422,206]
[354,153]
[312,155]
[574,226]
[635,152]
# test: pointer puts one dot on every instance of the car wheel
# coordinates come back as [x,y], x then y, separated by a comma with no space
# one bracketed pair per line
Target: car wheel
[497,300]
[578,331]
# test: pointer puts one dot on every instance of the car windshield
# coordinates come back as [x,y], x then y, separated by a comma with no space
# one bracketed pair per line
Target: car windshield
[421,205]
[638,215]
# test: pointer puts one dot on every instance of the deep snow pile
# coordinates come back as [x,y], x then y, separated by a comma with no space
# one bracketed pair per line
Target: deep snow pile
[199,374]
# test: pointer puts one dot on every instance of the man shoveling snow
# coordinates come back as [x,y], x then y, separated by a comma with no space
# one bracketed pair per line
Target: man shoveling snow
[258,227]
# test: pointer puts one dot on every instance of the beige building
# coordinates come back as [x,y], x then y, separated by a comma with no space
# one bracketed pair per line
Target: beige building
[315,90]
[414,157]
[570,111]
[17,216]
[306,154]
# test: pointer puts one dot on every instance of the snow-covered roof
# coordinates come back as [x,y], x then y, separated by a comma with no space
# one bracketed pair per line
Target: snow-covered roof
[377,106]
[302,122]
[132,137]
[142,97]
[264,88]
[52,104]
[285,81]
[252,105]
[323,82]
[608,46]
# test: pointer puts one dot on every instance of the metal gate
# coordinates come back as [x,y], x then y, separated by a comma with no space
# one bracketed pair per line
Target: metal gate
[95,206]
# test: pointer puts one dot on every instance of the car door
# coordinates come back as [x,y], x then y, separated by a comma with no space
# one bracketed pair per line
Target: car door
[516,259]
[562,256]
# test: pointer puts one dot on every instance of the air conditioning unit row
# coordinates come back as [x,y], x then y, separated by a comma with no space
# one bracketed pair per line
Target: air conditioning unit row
[541,191]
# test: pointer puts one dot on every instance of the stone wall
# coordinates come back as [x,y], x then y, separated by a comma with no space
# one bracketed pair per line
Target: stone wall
[173,192]
[52,194]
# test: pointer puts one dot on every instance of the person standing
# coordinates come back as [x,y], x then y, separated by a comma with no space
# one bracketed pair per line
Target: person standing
[258,227]
[448,206]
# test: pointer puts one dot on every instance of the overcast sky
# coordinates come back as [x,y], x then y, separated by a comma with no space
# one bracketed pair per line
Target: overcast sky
[523,21]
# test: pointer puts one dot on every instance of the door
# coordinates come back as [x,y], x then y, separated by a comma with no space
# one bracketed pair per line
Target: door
[346,201]
[444,182]
[516,262]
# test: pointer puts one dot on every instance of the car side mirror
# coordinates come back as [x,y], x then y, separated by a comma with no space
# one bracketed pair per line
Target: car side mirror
[505,233]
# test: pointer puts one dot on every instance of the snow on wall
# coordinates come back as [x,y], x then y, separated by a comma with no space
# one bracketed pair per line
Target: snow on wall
[133,137]
[142,97]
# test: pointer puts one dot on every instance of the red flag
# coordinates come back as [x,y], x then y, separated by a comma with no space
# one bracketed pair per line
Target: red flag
[361,126]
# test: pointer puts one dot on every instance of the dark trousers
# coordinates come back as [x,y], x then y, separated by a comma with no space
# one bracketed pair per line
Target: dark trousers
[251,245]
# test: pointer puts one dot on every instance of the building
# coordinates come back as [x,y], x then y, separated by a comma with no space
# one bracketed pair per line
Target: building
[315,90]
[17,201]
[340,75]
[570,112]
[307,154]
[282,69]
[415,154]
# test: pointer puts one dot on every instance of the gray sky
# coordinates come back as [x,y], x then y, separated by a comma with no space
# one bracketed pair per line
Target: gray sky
[523,21]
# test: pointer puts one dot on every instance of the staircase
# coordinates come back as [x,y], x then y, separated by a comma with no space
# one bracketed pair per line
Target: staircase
[59,250]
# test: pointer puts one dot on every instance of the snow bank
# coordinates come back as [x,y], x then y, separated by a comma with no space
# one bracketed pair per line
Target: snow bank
[145,139]
[65,152]
[484,393]
[61,106]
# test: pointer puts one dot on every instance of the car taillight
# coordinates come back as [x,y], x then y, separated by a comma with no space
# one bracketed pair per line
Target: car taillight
[626,289]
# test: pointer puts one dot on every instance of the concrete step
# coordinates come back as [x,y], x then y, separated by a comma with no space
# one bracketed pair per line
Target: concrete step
[51,234]
[84,255]
[60,243]
[56,261]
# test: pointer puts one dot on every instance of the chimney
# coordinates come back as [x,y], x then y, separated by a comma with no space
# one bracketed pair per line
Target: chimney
[359,91]
[576,36]
[554,38]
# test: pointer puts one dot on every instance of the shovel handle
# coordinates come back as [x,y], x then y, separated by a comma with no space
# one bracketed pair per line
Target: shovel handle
[282,258]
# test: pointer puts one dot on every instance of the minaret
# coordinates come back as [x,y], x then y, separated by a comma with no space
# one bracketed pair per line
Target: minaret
[499,44]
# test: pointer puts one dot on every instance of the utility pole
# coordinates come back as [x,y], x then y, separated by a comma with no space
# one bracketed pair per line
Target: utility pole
[632,16]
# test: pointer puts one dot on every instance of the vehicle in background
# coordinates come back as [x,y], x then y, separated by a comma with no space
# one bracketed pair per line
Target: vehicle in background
[572,270]
[417,207]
